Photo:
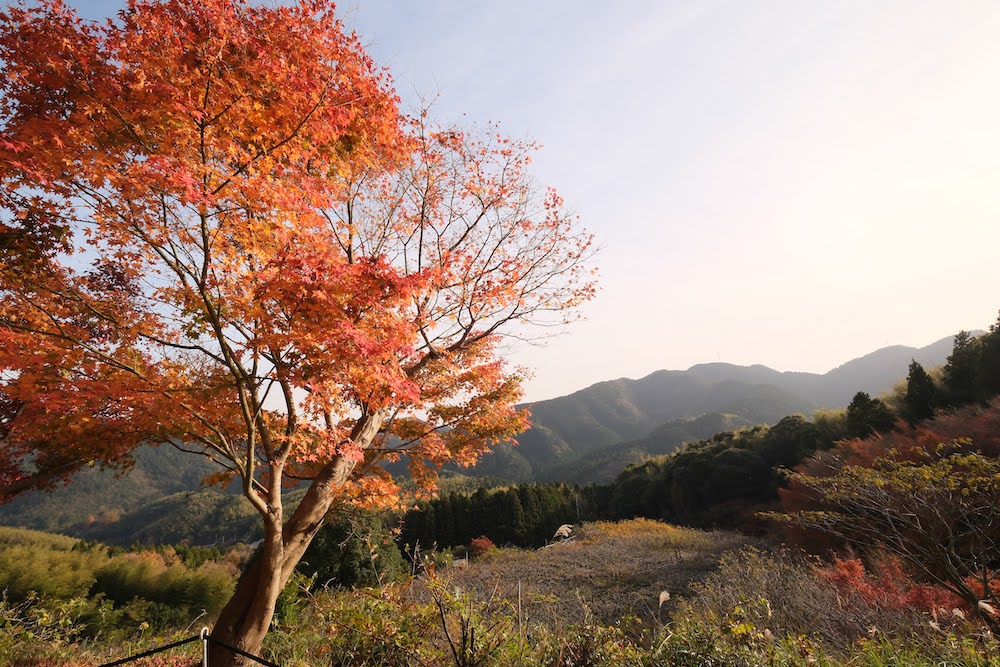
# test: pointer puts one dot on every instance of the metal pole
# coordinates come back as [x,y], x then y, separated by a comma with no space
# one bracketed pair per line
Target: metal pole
[204,646]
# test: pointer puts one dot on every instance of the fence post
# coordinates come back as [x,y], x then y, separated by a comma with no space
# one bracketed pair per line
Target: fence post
[204,647]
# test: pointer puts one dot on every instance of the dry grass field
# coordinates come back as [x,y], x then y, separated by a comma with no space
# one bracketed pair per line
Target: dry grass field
[606,572]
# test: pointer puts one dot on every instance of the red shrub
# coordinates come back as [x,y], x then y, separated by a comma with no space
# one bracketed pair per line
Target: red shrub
[888,586]
[480,545]
[976,585]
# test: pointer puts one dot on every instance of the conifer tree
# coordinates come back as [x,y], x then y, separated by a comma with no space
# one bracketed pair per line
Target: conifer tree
[961,370]
[867,415]
[918,402]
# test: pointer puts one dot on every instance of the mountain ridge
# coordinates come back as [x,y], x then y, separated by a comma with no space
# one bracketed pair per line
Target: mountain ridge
[609,412]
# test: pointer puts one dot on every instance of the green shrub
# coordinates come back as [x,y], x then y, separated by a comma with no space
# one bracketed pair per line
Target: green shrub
[292,600]
[944,650]
[146,575]
[592,646]
[27,568]
[354,549]
[381,627]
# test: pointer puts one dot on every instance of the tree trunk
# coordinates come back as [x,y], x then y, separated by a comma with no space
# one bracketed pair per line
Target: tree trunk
[246,618]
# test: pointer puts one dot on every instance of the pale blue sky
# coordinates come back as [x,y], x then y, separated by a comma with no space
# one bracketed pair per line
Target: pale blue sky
[779,182]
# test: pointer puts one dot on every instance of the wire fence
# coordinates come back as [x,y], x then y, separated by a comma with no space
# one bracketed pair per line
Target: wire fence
[205,639]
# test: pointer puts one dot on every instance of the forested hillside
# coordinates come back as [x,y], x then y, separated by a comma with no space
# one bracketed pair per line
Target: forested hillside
[604,464]
[97,496]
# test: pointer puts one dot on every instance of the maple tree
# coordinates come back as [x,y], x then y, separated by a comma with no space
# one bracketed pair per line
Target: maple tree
[217,230]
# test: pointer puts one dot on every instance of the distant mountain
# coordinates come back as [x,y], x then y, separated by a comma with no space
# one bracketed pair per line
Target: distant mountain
[878,372]
[96,497]
[566,430]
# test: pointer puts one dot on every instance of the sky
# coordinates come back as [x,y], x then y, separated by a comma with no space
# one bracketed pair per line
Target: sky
[780,182]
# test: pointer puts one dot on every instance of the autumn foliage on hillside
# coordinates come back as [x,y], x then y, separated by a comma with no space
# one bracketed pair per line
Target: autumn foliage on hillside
[973,428]
[923,494]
